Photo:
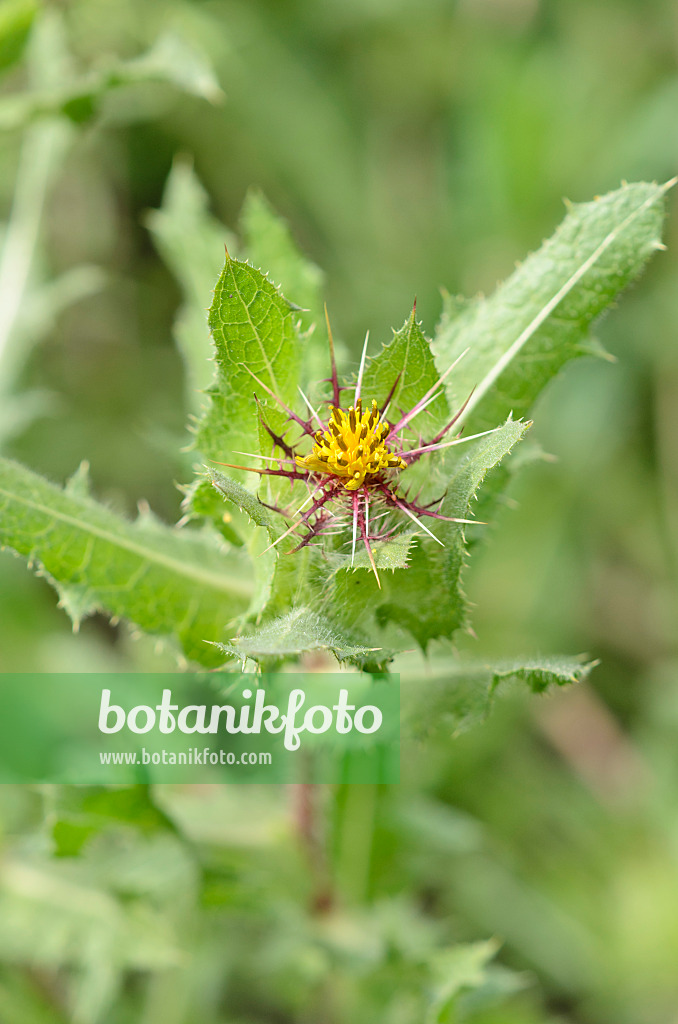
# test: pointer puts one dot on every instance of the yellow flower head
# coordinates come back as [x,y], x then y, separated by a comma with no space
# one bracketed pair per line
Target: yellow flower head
[353,447]
[352,464]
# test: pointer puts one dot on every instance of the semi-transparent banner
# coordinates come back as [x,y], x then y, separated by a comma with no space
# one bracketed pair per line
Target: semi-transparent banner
[120,728]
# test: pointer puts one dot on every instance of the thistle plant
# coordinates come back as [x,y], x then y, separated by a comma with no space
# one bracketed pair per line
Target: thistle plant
[352,473]
[353,499]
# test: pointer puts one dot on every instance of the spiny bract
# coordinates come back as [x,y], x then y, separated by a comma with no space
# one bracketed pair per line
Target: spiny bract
[352,472]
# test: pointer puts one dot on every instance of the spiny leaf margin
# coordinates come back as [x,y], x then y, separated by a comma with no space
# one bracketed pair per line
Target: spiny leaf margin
[299,632]
[254,328]
[166,581]
[538,319]
[454,698]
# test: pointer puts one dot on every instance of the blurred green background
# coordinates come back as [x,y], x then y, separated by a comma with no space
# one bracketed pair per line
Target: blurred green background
[412,147]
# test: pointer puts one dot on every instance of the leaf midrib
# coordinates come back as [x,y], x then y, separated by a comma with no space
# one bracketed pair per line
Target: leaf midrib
[203,577]
[274,380]
[549,307]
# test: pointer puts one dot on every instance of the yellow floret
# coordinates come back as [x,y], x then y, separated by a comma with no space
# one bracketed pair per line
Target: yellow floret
[353,447]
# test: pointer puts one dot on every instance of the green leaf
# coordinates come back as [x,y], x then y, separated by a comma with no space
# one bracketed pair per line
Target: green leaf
[82,812]
[16,18]
[455,697]
[427,598]
[167,581]
[298,580]
[478,458]
[257,512]
[202,501]
[120,910]
[270,246]
[521,336]
[388,554]
[172,60]
[26,309]
[175,59]
[191,242]
[408,354]
[263,557]
[253,328]
[460,969]
[297,633]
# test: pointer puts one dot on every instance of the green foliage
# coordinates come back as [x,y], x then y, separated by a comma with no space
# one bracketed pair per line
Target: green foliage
[254,329]
[411,145]
[269,246]
[407,356]
[191,241]
[58,99]
[16,18]
[81,98]
[122,914]
[429,600]
[175,60]
[258,513]
[465,979]
[314,600]
[455,697]
[300,632]
[166,581]
[388,554]
[536,321]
